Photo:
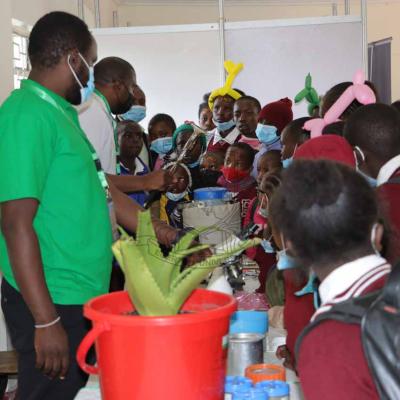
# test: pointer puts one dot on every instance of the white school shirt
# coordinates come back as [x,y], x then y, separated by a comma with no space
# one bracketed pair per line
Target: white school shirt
[215,137]
[351,280]
[388,169]
[97,123]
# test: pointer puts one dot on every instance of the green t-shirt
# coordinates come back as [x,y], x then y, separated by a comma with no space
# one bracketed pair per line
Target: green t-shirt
[43,155]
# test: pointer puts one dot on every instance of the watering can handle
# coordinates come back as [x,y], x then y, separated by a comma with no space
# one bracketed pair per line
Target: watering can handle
[86,344]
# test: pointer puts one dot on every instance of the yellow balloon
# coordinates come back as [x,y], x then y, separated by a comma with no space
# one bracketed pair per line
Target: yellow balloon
[233,70]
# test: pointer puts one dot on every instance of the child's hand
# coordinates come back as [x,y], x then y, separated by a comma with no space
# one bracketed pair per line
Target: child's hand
[283,353]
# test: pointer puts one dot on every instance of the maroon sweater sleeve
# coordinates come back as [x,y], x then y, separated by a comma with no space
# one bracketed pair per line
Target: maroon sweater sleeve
[298,310]
[332,366]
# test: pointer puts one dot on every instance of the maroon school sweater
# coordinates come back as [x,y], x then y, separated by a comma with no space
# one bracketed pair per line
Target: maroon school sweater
[331,362]
[298,310]
[389,201]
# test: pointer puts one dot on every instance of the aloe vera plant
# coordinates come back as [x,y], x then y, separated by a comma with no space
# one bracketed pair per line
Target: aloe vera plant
[154,282]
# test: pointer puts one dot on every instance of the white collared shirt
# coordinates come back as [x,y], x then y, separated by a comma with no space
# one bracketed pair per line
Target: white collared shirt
[351,280]
[388,169]
[229,138]
[96,122]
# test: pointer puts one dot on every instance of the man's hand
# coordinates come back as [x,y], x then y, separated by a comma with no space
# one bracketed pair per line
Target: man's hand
[52,355]
[158,180]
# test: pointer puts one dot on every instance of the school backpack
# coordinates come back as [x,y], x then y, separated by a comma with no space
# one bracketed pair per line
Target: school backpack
[378,314]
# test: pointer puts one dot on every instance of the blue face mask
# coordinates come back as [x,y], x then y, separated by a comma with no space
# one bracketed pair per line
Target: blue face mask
[371,181]
[161,145]
[176,196]
[88,89]
[224,126]
[286,163]
[135,113]
[266,133]
[267,246]
[285,261]
[310,288]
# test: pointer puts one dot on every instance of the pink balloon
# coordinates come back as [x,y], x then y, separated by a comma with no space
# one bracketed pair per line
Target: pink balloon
[358,91]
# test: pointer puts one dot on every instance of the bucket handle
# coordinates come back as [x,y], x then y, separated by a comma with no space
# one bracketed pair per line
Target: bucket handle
[87,343]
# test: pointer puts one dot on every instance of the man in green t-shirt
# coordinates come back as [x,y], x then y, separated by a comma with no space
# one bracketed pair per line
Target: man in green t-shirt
[55,241]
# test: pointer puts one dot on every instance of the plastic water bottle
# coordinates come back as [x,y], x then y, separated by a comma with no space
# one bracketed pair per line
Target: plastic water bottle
[250,394]
[276,390]
[233,383]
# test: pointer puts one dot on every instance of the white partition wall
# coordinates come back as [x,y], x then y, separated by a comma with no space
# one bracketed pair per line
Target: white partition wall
[279,54]
[177,64]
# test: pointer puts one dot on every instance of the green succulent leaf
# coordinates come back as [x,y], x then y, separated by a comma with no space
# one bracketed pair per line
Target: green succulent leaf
[191,277]
[143,289]
[154,283]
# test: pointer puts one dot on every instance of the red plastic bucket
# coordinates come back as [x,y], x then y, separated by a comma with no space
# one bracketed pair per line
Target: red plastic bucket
[180,357]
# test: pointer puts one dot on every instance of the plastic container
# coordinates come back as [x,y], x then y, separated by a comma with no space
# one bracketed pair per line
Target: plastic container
[233,383]
[225,216]
[250,394]
[277,390]
[249,322]
[170,357]
[210,194]
[265,372]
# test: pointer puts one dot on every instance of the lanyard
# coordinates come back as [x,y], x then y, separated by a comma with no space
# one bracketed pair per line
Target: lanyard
[114,126]
[46,97]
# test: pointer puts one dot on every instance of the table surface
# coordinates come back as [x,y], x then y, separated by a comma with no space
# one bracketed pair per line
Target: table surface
[92,390]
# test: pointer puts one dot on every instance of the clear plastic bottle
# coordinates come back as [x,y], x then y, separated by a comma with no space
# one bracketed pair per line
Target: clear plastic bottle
[233,383]
[276,390]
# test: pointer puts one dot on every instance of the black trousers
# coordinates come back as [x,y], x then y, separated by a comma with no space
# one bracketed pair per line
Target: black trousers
[32,384]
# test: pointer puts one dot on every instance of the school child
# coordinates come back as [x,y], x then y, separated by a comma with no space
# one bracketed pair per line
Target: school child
[269,162]
[130,139]
[206,117]
[210,168]
[291,138]
[327,216]
[161,128]
[176,194]
[236,176]
[225,132]
[300,303]
[245,115]
[257,214]
[272,119]
[193,155]
[374,133]
[221,102]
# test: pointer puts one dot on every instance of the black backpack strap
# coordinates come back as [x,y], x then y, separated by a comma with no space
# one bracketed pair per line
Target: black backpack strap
[391,290]
[350,311]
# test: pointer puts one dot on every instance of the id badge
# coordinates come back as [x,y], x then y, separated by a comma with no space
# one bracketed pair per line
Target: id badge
[113,219]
